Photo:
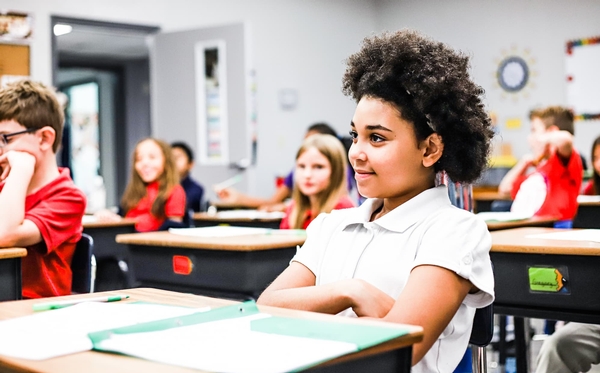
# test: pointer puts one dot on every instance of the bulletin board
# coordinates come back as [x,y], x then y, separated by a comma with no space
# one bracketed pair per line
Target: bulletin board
[583,77]
[14,61]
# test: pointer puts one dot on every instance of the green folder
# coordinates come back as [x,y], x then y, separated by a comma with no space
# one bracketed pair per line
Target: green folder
[360,336]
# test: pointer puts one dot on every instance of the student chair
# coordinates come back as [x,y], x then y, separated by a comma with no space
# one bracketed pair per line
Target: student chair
[83,266]
[481,336]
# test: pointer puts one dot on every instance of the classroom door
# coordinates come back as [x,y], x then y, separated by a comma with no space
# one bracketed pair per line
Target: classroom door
[199,96]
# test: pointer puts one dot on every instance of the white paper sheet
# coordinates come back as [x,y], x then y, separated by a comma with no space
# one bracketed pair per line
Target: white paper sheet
[584,198]
[592,235]
[250,214]
[64,331]
[219,231]
[211,346]
[502,216]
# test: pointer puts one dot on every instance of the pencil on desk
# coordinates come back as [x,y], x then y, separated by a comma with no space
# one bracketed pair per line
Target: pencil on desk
[227,183]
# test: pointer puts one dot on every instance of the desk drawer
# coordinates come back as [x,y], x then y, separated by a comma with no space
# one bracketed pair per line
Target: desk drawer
[511,275]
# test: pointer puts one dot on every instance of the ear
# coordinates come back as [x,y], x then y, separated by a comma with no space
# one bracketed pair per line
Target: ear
[47,136]
[433,148]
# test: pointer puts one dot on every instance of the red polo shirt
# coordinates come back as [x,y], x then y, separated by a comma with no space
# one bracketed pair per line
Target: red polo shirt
[145,221]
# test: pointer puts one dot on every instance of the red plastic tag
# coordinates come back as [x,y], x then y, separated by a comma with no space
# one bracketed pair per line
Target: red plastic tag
[182,265]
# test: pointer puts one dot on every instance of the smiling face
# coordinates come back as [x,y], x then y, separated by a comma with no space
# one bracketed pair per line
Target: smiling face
[313,172]
[387,159]
[149,161]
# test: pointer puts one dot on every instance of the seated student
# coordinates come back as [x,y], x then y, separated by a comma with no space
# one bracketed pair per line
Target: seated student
[283,191]
[153,196]
[552,188]
[41,206]
[319,181]
[406,255]
[593,186]
[184,162]
[572,348]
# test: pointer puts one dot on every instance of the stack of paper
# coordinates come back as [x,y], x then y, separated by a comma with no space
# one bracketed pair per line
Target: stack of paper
[490,216]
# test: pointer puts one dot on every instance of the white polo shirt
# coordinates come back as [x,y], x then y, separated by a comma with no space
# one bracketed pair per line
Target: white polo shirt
[426,230]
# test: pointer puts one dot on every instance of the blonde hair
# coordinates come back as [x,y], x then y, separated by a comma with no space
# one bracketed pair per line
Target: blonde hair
[136,187]
[334,151]
[34,106]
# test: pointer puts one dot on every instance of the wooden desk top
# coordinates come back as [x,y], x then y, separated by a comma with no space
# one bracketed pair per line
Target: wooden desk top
[515,241]
[235,243]
[12,252]
[100,362]
[109,224]
[536,221]
[489,195]
[203,216]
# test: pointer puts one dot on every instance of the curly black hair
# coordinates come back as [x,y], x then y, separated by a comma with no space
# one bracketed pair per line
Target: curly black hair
[429,83]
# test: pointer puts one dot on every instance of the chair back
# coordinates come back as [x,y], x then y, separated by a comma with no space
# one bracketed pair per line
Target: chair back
[483,326]
[83,266]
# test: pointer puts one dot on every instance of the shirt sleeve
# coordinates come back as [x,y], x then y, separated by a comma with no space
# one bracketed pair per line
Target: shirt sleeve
[461,246]
[56,217]
[289,180]
[309,253]
[589,188]
[175,205]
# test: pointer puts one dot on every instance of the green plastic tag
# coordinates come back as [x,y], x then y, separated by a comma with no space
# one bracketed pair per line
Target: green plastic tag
[545,279]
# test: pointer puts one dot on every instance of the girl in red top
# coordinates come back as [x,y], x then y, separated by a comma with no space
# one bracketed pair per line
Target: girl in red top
[153,195]
[593,186]
[319,181]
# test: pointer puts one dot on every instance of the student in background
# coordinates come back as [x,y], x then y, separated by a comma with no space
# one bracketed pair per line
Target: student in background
[40,206]
[283,191]
[593,186]
[184,162]
[552,188]
[153,196]
[572,348]
[319,181]
[406,255]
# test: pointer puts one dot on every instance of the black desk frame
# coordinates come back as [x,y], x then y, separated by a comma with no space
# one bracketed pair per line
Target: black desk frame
[10,278]
[514,298]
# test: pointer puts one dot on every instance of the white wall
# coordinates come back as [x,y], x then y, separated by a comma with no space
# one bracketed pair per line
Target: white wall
[490,30]
[298,44]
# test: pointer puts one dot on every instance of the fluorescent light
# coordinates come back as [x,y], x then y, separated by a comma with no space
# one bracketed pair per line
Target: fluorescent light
[62,29]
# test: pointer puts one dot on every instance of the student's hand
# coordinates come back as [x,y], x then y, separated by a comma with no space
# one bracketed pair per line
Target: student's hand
[228,194]
[107,216]
[21,161]
[369,301]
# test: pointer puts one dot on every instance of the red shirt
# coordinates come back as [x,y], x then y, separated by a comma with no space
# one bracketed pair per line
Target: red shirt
[56,209]
[145,221]
[563,183]
[343,203]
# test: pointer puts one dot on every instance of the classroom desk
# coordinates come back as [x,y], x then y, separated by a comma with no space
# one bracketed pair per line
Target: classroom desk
[484,196]
[113,270]
[513,253]
[203,219]
[390,356]
[10,273]
[536,221]
[238,267]
[588,215]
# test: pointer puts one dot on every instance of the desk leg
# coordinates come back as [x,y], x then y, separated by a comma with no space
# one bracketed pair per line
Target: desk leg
[520,345]
[502,342]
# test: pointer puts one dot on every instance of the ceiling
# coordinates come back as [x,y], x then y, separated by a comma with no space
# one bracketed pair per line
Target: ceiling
[104,42]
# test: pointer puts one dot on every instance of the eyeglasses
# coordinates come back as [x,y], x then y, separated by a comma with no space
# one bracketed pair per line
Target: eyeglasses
[5,136]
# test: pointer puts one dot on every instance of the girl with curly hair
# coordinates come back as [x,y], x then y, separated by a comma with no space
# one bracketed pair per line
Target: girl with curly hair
[406,255]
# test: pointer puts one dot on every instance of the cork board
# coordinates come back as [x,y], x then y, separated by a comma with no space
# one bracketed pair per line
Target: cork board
[14,59]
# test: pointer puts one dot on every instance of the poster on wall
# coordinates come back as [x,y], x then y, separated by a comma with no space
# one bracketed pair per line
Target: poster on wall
[583,77]
[15,26]
[211,104]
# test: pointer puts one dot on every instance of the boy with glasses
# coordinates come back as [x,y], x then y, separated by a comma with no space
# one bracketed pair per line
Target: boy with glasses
[41,206]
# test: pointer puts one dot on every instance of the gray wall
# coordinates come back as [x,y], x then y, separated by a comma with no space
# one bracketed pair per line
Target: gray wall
[489,30]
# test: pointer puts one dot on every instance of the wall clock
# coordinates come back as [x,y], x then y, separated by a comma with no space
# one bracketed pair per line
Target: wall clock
[513,74]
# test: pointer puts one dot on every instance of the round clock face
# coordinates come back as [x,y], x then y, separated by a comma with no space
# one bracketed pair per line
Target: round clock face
[513,74]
